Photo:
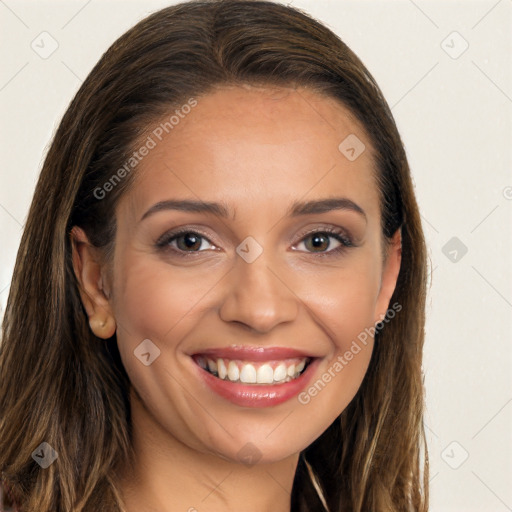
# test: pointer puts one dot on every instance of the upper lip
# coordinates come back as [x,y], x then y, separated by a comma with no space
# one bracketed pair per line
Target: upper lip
[256,353]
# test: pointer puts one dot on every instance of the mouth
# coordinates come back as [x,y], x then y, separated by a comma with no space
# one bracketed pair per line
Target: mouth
[255,376]
[273,372]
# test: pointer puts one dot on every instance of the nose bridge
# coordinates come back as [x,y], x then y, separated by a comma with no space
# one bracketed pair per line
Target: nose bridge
[258,296]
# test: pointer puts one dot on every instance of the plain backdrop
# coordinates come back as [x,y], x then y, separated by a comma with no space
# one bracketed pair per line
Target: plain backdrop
[446,71]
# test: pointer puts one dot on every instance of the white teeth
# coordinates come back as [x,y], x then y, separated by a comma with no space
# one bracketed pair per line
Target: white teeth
[221,368]
[248,374]
[300,366]
[280,372]
[233,371]
[237,371]
[265,374]
[212,366]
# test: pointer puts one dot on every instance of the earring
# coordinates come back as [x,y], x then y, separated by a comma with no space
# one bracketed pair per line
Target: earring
[103,328]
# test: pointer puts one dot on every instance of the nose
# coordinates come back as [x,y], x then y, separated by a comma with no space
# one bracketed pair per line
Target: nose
[258,296]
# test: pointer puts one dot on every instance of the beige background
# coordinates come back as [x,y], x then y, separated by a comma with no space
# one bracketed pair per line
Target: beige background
[453,106]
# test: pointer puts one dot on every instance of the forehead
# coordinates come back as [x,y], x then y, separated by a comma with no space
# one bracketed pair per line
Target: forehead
[257,147]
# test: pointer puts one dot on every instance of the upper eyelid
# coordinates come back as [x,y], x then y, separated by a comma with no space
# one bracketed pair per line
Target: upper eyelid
[172,234]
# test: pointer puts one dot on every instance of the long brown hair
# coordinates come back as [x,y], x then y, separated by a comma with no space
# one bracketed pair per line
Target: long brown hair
[61,385]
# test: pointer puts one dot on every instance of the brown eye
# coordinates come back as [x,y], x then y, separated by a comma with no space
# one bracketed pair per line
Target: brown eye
[191,241]
[185,241]
[320,242]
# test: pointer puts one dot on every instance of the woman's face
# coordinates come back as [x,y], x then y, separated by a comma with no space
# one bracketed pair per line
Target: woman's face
[249,285]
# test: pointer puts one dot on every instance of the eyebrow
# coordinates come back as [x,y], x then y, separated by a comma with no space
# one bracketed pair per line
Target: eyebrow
[221,210]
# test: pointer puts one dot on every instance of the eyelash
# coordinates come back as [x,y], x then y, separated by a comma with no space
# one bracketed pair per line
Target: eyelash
[163,243]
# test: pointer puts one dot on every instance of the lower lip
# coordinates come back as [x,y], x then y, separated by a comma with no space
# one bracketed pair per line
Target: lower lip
[258,395]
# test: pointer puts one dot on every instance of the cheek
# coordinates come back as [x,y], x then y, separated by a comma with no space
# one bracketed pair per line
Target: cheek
[344,306]
[154,301]
[343,300]
[162,303]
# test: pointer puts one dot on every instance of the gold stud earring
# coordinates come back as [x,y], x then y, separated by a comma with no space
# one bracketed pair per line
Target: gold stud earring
[103,328]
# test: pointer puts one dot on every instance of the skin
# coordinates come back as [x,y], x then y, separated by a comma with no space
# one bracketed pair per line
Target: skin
[256,150]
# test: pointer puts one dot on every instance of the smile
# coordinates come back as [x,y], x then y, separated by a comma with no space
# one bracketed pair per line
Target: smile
[268,372]
[255,376]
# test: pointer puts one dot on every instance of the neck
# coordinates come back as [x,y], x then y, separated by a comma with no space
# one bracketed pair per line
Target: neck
[168,475]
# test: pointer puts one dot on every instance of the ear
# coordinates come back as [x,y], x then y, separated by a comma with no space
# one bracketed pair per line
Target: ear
[389,276]
[92,286]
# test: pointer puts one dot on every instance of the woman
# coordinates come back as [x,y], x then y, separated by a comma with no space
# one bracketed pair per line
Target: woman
[218,301]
